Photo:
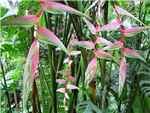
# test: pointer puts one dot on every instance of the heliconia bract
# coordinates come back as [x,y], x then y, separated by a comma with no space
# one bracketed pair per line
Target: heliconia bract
[133,30]
[131,53]
[61,90]
[90,72]
[113,25]
[30,70]
[100,40]
[25,21]
[50,6]
[122,74]
[84,44]
[61,81]
[72,87]
[47,36]
[99,53]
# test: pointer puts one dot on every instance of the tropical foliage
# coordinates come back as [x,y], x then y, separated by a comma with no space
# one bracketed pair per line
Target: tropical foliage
[74,56]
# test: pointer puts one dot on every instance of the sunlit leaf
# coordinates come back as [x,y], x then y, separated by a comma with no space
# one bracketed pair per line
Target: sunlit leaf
[30,70]
[90,72]
[47,36]
[122,74]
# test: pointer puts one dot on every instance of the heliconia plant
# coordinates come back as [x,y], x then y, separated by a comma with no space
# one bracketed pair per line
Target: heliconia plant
[106,51]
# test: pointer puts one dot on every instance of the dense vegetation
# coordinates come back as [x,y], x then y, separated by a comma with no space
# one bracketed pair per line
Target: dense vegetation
[78,56]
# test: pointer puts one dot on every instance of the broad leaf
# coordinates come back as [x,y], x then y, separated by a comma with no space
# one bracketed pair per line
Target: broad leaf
[122,74]
[47,36]
[30,70]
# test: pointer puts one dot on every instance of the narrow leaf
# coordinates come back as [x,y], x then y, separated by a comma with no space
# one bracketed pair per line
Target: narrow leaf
[122,11]
[90,26]
[122,74]
[91,71]
[47,36]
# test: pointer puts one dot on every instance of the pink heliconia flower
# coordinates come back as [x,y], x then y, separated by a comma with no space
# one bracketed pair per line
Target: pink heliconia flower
[131,31]
[25,20]
[101,40]
[84,44]
[48,5]
[98,27]
[115,24]
[61,90]
[70,78]
[122,74]
[91,70]
[90,26]
[35,59]
[47,36]
[33,56]
[61,81]
[130,52]
[72,87]
[102,54]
